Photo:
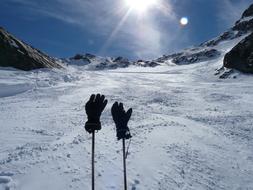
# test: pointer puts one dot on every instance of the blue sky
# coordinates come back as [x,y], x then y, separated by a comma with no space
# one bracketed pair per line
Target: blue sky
[63,28]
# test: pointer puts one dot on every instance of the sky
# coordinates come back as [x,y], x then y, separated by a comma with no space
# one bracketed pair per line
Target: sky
[63,28]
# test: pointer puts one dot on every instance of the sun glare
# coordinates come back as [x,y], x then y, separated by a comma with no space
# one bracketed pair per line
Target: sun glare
[184,21]
[140,5]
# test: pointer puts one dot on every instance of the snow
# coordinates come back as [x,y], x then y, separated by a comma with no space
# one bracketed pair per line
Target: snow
[245,19]
[190,129]
[13,44]
[11,90]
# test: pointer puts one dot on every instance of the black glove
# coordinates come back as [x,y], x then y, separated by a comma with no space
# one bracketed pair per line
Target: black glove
[121,118]
[94,108]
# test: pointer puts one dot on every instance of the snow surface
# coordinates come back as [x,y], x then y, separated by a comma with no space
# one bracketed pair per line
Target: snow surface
[190,129]
[245,19]
[13,44]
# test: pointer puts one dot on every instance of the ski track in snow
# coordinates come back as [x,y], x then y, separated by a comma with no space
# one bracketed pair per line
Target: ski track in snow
[190,129]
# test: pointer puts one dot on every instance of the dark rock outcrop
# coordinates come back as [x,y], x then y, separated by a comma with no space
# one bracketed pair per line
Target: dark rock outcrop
[113,63]
[229,35]
[248,12]
[85,58]
[143,63]
[189,58]
[122,62]
[241,56]
[98,62]
[17,54]
[244,26]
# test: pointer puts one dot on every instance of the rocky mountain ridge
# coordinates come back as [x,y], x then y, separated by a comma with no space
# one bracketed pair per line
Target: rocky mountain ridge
[16,53]
[207,50]
[241,56]
[98,62]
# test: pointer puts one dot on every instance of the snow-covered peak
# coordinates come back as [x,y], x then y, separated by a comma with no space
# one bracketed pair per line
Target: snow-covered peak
[95,62]
[91,61]
[215,47]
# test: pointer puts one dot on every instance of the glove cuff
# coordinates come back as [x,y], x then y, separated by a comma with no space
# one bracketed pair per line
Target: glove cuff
[93,119]
[91,126]
[123,132]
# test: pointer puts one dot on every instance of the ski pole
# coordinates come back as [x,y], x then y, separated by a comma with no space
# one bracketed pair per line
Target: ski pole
[124,164]
[94,108]
[121,118]
[93,161]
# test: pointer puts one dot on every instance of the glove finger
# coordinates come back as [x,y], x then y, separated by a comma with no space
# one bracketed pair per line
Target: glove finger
[92,97]
[97,99]
[114,108]
[102,98]
[121,108]
[129,113]
[104,104]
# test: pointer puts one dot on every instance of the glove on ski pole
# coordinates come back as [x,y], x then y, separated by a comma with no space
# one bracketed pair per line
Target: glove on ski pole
[94,108]
[121,118]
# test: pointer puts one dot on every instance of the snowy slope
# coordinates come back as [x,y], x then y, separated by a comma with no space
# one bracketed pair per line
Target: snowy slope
[190,129]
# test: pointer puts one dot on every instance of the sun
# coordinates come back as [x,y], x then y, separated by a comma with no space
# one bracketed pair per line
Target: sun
[184,21]
[140,5]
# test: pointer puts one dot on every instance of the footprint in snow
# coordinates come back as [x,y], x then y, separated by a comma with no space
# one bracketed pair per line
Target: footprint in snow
[6,181]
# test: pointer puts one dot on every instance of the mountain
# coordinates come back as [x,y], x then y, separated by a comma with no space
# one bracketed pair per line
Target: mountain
[233,45]
[241,56]
[221,46]
[15,53]
[97,62]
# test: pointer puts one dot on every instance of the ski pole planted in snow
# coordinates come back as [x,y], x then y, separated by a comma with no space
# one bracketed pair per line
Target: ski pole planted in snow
[121,118]
[94,108]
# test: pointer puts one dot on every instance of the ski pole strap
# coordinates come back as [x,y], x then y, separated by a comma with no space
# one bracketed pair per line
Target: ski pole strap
[128,147]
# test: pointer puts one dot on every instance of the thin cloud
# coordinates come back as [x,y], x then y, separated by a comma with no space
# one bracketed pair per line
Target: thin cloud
[230,11]
[142,37]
